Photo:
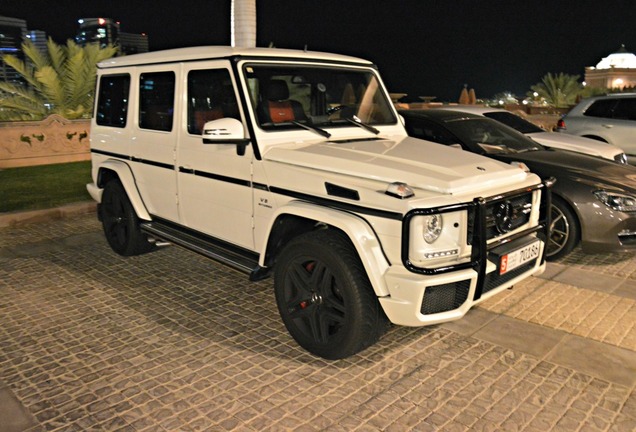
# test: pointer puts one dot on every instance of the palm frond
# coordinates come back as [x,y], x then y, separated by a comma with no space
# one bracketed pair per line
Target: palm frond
[27,72]
[74,78]
[21,108]
[57,56]
[61,80]
[12,90]
[36,57]
[51,86]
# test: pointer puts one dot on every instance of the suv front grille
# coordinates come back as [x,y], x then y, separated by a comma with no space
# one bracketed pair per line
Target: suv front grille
[503,215]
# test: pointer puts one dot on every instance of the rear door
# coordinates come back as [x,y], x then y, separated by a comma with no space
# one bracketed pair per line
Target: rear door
[153,141]
[623,125]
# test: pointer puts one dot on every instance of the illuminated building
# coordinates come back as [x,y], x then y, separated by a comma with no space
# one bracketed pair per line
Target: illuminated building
[616,71]
[106,31]
[12,32]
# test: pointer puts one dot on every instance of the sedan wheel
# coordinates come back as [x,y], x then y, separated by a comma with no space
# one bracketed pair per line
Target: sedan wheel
[564,231]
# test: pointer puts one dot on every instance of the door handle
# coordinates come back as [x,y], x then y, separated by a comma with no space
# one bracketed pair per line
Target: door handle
[607,126]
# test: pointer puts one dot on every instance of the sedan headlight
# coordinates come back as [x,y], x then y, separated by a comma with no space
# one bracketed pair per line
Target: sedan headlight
[433,225]
[617,201]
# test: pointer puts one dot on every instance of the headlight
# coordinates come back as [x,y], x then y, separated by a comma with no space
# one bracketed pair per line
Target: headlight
[617,201]
[432,227]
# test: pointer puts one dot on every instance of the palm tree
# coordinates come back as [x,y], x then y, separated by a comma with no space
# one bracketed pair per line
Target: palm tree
[560,90]
[60,81]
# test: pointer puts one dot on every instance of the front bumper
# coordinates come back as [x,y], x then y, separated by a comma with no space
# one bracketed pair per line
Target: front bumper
[419,300]
[611,234]
[422,296]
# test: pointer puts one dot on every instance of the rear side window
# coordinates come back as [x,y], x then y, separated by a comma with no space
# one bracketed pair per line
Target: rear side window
[626,109]
[601,108]
[156,100]
[112,100]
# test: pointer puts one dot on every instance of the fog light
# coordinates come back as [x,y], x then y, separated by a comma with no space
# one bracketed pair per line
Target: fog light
[441,254]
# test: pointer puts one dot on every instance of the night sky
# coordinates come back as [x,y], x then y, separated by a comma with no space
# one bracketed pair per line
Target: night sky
[422,47]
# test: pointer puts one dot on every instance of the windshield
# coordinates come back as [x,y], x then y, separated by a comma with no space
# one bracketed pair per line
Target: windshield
[514,121]
[490,137]
[295,96]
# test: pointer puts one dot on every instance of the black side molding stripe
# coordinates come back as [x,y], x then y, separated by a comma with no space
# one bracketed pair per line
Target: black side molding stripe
[218,177]
[338,204]
[260,186]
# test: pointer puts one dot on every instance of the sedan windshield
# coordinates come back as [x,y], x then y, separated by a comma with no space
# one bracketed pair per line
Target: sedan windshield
[317,97]
[514,121]
[487,136]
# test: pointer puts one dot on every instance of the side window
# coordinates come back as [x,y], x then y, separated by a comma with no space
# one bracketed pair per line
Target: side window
[430,131]
[112,100]
[601,108]
[210,96]
[156,100]
[626,109]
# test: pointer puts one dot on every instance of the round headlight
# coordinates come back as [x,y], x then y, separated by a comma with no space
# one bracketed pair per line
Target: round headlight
[432,227]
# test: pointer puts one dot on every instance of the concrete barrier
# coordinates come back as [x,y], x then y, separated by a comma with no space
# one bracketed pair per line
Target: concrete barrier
[52,140]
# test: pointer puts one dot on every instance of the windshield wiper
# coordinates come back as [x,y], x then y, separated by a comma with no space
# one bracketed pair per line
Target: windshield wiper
[356,121]
[319,131]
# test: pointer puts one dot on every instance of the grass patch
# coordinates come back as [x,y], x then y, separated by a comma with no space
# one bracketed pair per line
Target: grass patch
[46,186]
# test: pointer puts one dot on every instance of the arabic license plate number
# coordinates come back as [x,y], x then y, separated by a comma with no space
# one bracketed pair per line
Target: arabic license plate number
[517,258]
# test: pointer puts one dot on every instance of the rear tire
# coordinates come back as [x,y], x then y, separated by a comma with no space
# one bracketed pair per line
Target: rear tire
[324,296]
[120,222]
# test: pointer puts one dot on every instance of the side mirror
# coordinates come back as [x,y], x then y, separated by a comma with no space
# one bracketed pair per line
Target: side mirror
[226,130]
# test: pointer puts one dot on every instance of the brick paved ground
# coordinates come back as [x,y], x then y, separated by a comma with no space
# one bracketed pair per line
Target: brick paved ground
[171,341]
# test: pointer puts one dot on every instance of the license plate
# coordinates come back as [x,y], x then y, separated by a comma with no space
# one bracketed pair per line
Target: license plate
[519,257]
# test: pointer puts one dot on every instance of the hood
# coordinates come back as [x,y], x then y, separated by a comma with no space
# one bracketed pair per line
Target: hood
[418,163]
[593,170]
[577,144]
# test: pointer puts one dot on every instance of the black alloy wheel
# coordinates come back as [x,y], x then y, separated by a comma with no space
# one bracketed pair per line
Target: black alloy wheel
[120,222]
[324,296]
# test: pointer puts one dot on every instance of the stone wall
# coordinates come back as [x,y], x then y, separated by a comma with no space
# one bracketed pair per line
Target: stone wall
[52,140]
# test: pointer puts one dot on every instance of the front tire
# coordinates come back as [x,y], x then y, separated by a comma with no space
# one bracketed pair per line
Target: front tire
[564,230]
[120,222]
[324,296]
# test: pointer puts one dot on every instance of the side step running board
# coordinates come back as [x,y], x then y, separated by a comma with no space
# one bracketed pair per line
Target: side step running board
[240,259]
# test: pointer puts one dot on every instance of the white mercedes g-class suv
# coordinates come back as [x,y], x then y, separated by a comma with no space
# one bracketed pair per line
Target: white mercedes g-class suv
[296,164]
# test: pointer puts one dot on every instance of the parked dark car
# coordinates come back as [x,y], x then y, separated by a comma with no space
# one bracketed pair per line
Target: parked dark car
[593,200]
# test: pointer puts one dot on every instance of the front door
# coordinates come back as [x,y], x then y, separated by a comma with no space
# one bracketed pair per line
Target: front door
[214,181]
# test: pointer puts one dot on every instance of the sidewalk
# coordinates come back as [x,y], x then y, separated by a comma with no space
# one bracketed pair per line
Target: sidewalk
[20,218]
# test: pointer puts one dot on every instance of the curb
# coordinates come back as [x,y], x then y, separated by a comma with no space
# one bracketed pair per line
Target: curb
[20,218]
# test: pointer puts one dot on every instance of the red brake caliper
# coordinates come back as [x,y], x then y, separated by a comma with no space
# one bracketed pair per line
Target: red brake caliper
[310,268]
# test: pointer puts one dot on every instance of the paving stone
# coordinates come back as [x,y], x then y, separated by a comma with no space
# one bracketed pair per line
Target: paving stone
[520,336]
[611,364]
[172,341]
[588,279]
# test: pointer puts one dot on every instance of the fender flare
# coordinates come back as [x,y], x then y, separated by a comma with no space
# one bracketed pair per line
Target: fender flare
[362,236]
[127,179]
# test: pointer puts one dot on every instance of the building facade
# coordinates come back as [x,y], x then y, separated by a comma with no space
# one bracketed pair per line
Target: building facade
[617,71]
[107,31]
[12,33]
